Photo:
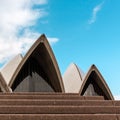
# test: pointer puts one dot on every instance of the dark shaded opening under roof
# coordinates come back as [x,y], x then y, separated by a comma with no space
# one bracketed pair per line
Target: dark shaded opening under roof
[38,66]
[93,87]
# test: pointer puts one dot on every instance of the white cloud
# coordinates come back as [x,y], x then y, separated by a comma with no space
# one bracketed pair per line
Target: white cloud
[96,9]
[16,18]
[53,40]
[117,97]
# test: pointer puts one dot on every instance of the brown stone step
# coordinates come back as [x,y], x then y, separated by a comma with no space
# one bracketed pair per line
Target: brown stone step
[117,102]
[37,93]
[94,98]
[59,110]
[59,117]
[53,96]
[56,102]
[40,97]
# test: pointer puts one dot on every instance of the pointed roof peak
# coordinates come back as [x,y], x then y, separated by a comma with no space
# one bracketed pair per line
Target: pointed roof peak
[43,54]
[78,69]
[93,70]
[41,38]
[72,78]
[92,67]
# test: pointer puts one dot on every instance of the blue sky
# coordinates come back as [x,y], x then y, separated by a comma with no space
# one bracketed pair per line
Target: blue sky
[85,32]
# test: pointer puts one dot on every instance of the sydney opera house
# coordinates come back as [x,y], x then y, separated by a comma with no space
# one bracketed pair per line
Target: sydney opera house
[32,87]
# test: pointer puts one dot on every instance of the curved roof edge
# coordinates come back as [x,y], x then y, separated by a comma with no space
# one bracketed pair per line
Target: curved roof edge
[3,85]
[107,91]
[8,70]
[72,78]
[41,39]
[82,74]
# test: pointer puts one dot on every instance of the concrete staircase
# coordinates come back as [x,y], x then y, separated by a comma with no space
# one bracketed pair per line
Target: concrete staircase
[57,106]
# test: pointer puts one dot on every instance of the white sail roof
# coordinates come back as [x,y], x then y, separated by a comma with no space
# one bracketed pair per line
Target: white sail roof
[8,70]
[72,79]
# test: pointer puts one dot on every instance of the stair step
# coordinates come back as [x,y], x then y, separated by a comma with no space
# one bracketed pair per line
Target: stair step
[117,103]
[40,97]
[38,93]
[93,97]
[56,102]
[53,96]
[58,117]
[59,109]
